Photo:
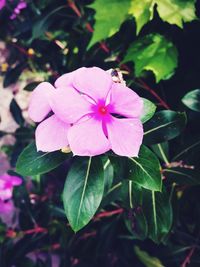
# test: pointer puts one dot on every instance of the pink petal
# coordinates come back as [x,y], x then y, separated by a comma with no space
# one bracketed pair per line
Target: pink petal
[10,180]
[6,193]
[51,134]
[87,138]
[6,207]
[125,101]
[69,105]
[39,104]
[125,136]
[93,82]
[67,79]
[15,180]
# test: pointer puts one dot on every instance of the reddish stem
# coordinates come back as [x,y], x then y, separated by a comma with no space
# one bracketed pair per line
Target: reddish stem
[108,213]
[35,230]
[188,257]
[161,101]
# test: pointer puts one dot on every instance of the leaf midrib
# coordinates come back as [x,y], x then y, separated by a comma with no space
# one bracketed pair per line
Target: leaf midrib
[83,192]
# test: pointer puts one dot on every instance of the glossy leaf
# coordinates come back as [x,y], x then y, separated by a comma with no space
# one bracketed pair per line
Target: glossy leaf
[145,170]
[162,151]
[153,53]
[158,212]
[31,162]
[16,112]
[192,100]
[182,176]
[149,109]
[131,196]
[165,125]
[83,191]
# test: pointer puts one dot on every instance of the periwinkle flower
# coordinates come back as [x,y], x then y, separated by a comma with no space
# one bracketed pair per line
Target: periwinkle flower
[7,208]
[91,113]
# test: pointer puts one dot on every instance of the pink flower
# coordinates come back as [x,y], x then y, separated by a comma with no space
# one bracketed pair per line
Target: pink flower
[2,3]
[7,208]
[7,183]
[91,113]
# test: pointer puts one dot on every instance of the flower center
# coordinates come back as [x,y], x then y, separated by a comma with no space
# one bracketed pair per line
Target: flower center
[103,110]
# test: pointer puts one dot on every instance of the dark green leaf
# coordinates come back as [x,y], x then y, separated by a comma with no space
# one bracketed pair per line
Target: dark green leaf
[31,86]
[158,212]
[31,162]
[83,191]
[43,23]
[12,75]
[182,176]
[192,100]
[145,170]
[164,125]
[16,112]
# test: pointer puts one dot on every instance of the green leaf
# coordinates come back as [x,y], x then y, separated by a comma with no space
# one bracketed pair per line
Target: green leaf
[131,196]
[158,212]
[176,11]
[146,259]
[31,86]
[153,53]
[164,125]
[192,100]
[172,11]
[182,176]
[83,191]
[145,170]
[13,74]
[31,162]
[108,18]
[16,112]
[149,109]
[142,11]
[42,25]
[162,151]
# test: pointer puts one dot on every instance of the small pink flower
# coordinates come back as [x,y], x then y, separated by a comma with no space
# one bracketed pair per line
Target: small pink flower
[92,114]
[7,183]
[2,3]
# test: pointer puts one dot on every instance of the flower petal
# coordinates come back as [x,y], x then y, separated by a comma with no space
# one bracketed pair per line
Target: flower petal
[66,80]
[69,105]
[125,101]
[125,136]
[87,138]
[93,82]
[51,134]
[39,103]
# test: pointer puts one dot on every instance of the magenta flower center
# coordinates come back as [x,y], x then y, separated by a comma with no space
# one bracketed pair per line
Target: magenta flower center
[103,110]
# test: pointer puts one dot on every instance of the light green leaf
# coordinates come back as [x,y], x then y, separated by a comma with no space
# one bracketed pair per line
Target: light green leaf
[83,191]
[142,11]
[172,11]
[192,100]
[31,162]
[149,109]
[153,53]
[145,172]
[176,11]
[165,125]
[108,18]
[146,259]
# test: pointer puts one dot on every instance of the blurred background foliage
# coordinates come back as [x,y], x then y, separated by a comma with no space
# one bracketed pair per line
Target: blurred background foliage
[156,44]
